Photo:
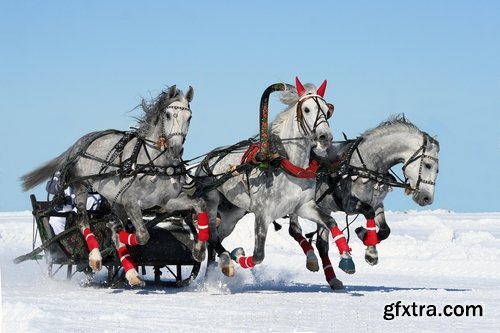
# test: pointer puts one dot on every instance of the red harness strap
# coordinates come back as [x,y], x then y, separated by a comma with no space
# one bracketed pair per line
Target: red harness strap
[309,172]
[249,155]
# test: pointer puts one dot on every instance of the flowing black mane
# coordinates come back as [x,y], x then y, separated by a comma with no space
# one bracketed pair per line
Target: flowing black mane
[153,108]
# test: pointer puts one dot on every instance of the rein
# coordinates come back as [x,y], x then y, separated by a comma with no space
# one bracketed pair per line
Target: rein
[345,169]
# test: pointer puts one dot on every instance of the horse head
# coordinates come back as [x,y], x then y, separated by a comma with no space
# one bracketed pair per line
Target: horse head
[313,113]
[421,171]
[167,119]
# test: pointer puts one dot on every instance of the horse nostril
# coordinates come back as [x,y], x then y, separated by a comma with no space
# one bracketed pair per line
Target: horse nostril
[427,200]
[322,137]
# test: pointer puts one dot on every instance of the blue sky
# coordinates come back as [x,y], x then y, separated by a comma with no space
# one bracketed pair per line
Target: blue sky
[71,67]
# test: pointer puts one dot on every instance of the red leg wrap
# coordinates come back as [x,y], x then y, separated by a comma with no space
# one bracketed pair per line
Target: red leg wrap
[90,239]
[339,239]
[203,226]
[328,268]
[127,238]
[371,233]
[125,259]
[304,244]
[246,262]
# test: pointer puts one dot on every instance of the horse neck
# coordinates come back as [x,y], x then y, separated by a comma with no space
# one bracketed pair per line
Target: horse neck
[382,151]
[298,150]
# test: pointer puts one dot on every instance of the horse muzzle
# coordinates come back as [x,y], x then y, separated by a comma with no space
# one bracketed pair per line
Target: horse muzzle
[423,198]
[323,140]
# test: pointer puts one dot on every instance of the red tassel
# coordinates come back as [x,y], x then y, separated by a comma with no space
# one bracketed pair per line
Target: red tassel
[127,238]
[246,262]
[90,239]
[125,259]
[371,238]
[321,89]
[328,268]
[203,226]
[339,239]
[300,88]
[304,244]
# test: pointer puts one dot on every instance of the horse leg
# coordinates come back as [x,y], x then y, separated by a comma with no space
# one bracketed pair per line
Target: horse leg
[95,259]
[133,211]
[229,217]
[129,267]
[238,254]
[369,235]
[121,239]
[296,232]
[312,212]
[184,202]
[323,247]
[383,229]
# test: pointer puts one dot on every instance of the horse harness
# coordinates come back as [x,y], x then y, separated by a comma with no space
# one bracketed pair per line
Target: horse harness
[162,142]
[422,156]
[321,116]
[124,167]
[343,169]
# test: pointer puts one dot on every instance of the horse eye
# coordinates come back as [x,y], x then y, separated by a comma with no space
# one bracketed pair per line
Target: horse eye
[306,110]
[168,116]
[428,166]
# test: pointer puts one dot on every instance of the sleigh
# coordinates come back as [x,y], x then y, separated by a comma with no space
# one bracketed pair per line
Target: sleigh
[167,255]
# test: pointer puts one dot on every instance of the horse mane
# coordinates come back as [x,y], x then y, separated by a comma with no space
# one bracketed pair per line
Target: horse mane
[288,97]
[395,120]
[398,120]
[153,108]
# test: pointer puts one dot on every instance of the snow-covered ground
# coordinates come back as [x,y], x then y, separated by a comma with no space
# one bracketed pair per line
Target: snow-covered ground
[432,259]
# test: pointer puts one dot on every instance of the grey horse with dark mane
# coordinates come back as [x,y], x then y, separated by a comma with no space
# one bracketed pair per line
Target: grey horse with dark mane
[133,170]
[355,179]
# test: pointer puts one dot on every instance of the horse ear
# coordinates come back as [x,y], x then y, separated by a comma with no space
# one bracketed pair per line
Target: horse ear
[190,94]
[172,91]
[321,89]
[299,86]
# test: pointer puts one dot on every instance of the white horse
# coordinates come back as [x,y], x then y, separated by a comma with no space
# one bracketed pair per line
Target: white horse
[133,170]
[286,186]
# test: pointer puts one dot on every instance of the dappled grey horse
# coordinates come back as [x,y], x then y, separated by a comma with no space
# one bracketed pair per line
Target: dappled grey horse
[360,181]
[287,186]
[355,178]
[133,170]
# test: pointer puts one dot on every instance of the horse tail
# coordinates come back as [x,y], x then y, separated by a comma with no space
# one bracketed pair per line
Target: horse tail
[45,171]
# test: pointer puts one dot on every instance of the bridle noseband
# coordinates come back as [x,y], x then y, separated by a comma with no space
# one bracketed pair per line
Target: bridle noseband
[162,141]
[321,116]
[420,157]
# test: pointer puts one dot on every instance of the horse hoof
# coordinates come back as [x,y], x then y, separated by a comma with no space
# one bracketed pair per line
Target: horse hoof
[371,255]
[361,233]
[336,284]
[142,236]
[199,251]
[95,260]
[134,279]
[226,264]
[114,227]
[346,264]
[312,261]
[237,253]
